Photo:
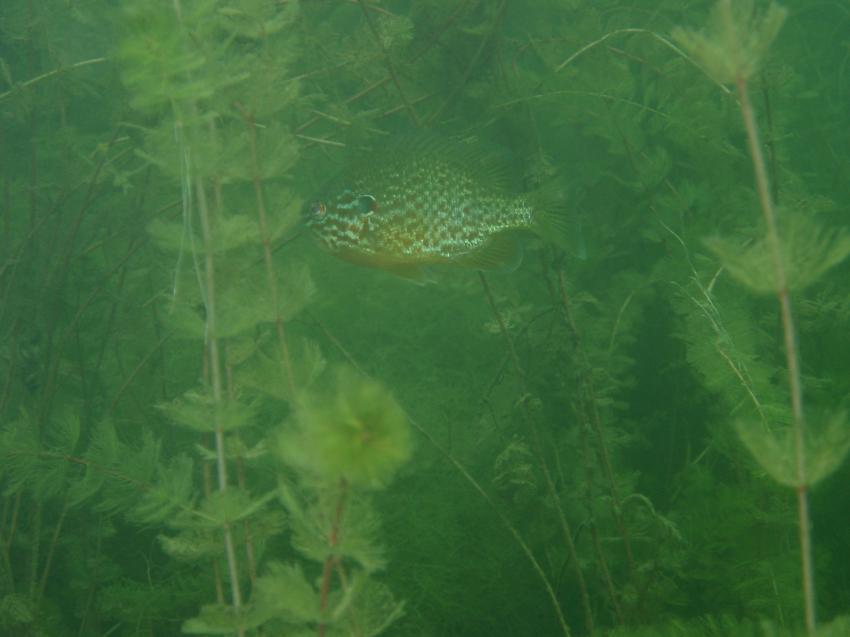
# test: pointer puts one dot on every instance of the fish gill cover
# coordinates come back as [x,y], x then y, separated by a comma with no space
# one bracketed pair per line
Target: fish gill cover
[210,425]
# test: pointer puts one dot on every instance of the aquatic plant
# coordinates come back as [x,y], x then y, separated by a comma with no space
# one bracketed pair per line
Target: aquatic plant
[206,425]
[358,434]
[732,54]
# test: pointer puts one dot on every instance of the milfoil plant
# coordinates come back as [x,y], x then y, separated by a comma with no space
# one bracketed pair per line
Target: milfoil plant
[793,252]
[211,80]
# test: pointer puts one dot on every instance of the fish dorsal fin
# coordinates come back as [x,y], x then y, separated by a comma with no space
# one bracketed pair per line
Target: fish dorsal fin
[501,252]
[488,168]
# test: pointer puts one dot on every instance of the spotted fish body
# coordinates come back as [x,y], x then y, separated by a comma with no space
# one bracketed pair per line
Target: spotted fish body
[424,206]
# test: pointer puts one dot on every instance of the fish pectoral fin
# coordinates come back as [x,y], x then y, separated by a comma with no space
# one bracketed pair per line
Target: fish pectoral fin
[501,252]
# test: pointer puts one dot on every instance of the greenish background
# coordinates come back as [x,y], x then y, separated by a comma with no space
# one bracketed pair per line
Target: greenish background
[574,457]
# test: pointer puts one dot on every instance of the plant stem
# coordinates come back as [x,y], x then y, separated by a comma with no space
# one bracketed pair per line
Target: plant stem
[470,67]
[267,255]
[792,361]
[333,540]
[589,412]
[54,540]
[215,375]
[212,333]
[596,421]
[388,61]
[206,476]
[538,448]
[241,480]
[57,71]
[35,550]
[524,547]
[7,535]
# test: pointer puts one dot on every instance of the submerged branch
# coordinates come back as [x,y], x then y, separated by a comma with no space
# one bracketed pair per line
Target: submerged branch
[49,74]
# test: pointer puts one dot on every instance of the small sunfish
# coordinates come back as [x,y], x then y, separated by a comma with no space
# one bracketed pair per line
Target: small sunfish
[426,203]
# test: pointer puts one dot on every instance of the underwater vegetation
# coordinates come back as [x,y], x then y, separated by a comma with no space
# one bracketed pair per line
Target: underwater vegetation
[209,425]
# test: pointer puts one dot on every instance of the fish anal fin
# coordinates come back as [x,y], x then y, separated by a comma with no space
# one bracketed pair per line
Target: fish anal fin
[501,252]
[411,271]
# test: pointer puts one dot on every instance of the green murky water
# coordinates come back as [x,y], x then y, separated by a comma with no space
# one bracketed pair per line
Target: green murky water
[210,425]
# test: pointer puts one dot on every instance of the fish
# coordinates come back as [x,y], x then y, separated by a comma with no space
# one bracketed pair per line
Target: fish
[431,202]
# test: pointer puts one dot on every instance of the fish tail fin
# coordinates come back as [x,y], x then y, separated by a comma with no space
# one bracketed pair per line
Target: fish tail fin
[553,219]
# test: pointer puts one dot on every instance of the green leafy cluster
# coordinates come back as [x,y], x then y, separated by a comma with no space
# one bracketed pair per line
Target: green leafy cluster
[737,42]
[358,434]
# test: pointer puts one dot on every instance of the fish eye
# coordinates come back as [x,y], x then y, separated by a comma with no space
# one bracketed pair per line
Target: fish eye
[317,209]
[367,204]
